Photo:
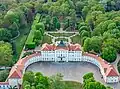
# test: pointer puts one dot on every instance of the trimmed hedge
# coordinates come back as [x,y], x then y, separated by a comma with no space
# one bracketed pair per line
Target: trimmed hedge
[30,44]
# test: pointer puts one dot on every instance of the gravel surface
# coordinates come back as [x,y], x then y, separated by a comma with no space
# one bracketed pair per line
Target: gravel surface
[71,70]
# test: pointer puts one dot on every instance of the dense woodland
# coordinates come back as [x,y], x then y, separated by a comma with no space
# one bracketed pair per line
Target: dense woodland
[98,22]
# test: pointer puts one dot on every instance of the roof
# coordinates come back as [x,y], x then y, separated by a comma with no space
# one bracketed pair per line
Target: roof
[17,69]
[63,46]
[111,72]
[4,83]
[15,73]
[108,68]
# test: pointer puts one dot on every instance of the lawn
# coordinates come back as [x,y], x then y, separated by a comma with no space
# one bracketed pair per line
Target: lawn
[47,39]
[62,34]
[59,39]
[20,41]
[73,85]
[76,39]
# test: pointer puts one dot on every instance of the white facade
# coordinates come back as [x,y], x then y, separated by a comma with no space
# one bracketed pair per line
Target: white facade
[14,82]
[4,86]
[61,55]
[112,79]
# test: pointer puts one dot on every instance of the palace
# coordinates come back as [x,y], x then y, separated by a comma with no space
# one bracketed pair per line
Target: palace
[61,52]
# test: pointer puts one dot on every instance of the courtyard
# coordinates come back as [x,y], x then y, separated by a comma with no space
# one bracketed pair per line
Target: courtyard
[72,71]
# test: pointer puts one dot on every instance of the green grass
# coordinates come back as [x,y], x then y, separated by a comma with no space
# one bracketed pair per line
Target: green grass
[73,85]
[47,39]
[20,41]
[61,34]
[76,39]
[59,39]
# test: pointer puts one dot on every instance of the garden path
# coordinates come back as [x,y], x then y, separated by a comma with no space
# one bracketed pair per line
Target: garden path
[61,31]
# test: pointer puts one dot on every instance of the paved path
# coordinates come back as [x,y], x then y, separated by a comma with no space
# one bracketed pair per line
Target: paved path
[72,70]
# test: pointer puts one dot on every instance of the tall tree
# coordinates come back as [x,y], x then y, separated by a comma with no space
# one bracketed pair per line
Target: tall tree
[109,54]
[5,54]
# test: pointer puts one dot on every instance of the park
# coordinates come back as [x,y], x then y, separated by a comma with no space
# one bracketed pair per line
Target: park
[66,43]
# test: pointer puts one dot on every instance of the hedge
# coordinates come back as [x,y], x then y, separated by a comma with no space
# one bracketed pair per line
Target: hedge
[30,44]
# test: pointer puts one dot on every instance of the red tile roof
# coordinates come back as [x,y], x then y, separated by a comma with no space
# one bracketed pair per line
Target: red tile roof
[17,69]
[109,68]
[71,47]
[4,83]
[15,74]
[111,72]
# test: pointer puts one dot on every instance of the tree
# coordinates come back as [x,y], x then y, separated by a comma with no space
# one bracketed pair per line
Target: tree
[3,75]
[88,76]
[11,17]
[35,81]
[93,44]
[55,20]
[5,34]
[84,33]
[112,42]
[58,25]
[90,83]
[109,54]
[56,82]
[29,77]
[41,27]
[96,43]
[14,29]
[37,35]
[86,45]
[5,54]
[107,35]
[83,28]
[111,26]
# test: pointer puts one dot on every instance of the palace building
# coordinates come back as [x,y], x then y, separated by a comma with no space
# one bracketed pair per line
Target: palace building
[61,52]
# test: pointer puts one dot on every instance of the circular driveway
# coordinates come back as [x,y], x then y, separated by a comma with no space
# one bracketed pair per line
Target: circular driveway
[71,70]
